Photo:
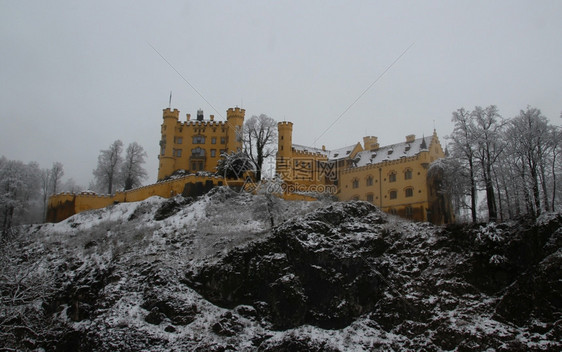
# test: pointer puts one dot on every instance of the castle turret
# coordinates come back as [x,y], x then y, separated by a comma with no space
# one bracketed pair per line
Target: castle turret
[166,157]
[370,143]
[235,121]
[284,149]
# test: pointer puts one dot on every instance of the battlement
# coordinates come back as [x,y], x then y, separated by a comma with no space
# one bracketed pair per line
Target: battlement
[211,123]
[285,124]
[169,113]
[235,113]
[308,153]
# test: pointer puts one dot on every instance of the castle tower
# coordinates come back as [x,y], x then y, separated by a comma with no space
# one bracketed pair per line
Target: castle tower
[284,149]
[370,143]
[167,160]
[235,121]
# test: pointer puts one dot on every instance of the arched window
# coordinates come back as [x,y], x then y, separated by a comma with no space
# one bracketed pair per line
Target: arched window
[408,174]
[409,212]
[393,194]
[409,192]
[199,139]
[392,176]
[198,152]
[369,180]
[355,183]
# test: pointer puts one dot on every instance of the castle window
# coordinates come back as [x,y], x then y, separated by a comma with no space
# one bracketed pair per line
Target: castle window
[178,140]
[222,151]
[198,139]
[393,194]
[355,183]
[392,211]
[369,180]
[408,174]
[409,192]
[214,140]
[355,198]
[213,152]
[392,177]
[177,152]
[409,212]
[198,152]
[370,197]
[223,140]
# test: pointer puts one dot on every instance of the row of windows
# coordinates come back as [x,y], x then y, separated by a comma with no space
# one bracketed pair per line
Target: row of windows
[197,152]
[391,178]
[392,194]
[200,140]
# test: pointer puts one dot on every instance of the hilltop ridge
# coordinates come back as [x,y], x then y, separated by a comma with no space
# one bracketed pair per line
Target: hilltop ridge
[234,271]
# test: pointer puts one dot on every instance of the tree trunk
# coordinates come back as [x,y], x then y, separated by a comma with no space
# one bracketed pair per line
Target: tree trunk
[544,187]
[472,191]
[536,193]
[499,197]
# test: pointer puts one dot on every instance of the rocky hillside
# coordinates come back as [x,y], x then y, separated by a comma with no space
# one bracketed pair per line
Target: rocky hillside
[254,273]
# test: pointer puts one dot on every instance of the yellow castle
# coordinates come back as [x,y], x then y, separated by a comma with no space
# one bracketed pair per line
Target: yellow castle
[197,145]
[393,177]
[191,145]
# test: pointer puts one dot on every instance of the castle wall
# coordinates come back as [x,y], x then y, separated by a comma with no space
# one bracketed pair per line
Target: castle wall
[64,205]
[407,197]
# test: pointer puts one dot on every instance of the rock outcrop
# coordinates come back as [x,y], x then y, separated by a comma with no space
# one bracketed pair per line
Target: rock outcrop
[343,276]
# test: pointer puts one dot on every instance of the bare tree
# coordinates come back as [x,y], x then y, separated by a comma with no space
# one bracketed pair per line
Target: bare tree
[132,172]
[57,171]
[109,165]
[526,133]
[260,138]
[45,177]
[19,184]
[462,147]
[488,126]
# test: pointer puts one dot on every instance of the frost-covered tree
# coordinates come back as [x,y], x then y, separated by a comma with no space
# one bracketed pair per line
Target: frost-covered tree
[45,184]
[488,126]
[259,136]
[463,149]
[57,171]
[533,144]
[19,186]
[109,164]
[234,164]
[454,182]
[132,171]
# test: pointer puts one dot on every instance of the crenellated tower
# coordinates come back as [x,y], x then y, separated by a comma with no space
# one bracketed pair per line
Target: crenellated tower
[166,157]
[284,148]
[235,122]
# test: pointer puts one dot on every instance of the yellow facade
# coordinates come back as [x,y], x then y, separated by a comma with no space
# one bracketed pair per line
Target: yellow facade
[393,177]
[196,145]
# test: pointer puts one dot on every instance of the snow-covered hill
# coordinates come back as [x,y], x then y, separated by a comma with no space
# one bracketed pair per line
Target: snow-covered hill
[234,271]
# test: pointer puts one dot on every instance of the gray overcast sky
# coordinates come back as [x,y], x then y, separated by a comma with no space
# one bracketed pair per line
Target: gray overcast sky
[75,76]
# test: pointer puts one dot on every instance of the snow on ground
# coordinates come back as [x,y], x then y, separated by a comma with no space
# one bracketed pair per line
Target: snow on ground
[141,263]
